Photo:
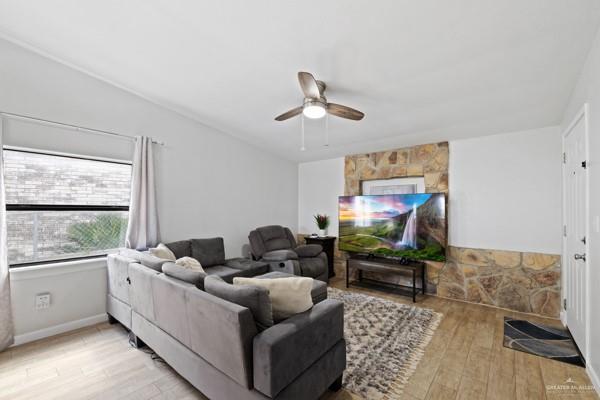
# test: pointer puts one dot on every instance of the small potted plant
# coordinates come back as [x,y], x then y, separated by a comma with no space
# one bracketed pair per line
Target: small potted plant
[322,221]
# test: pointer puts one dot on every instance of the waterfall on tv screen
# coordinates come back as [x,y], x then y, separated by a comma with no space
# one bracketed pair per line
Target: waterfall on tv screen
[409,237]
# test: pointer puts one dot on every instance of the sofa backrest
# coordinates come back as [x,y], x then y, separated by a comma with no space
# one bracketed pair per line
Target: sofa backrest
[209,252]
[269,238]
[181,248]
[218,331]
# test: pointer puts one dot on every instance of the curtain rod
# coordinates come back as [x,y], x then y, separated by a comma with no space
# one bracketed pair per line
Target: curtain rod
[75,127]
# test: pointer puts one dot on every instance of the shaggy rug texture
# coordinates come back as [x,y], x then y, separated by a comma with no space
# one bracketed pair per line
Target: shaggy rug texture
[384,343]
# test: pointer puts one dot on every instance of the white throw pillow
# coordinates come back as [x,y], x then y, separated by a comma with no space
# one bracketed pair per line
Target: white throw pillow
[162,251]
[190,263]
[289,296]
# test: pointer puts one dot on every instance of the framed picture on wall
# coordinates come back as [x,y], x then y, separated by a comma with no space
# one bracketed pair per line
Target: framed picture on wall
[393,186]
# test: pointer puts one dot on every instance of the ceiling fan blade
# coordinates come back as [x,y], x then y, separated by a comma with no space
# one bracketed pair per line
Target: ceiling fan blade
[289,114]
[344,112]
[309,85]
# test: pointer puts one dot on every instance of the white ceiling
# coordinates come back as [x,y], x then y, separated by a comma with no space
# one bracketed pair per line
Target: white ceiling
[420,70]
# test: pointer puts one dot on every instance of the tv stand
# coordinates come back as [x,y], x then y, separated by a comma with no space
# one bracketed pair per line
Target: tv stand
[388,266]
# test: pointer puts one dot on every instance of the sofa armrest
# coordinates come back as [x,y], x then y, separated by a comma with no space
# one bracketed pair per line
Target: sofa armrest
[144,258]
[284,351]
[308,250]
[280,255]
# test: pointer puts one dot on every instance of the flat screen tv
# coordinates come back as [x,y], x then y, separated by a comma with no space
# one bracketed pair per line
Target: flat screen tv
[412,226]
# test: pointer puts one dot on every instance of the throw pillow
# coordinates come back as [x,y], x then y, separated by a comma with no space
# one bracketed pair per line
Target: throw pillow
[162,251]
[288,296]
[191,263]
[255,298]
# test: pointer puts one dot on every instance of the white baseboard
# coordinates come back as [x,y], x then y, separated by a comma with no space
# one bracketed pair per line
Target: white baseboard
[593,377]
[58,329]
[563,318]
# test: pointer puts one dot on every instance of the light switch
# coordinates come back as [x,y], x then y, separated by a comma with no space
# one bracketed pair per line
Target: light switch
[597,224]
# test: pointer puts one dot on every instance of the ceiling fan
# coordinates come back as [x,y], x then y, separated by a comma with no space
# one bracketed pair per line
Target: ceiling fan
[315,104]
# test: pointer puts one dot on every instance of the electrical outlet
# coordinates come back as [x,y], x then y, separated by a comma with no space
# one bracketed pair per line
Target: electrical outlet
[42,301]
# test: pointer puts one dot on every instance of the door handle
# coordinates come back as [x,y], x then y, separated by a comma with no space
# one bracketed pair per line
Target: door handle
[580,257]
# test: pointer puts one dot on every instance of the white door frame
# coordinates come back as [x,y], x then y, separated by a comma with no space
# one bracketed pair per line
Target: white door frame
[582,114]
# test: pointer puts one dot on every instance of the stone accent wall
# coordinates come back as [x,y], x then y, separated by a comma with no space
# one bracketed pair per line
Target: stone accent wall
[525,282]
[429,161]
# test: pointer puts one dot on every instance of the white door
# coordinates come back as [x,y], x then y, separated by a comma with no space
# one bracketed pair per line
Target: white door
[575,198]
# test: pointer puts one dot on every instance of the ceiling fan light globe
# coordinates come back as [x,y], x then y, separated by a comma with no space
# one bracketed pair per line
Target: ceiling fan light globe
[314,111]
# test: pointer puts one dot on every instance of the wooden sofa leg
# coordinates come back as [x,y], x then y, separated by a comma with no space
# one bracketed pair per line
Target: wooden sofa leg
[337,384]
[135,341]
[112,320]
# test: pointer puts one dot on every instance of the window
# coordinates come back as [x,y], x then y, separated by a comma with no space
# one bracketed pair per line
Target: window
[63,207]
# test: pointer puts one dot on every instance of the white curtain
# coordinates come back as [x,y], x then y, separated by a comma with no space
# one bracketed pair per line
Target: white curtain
[6,322]
[142,229]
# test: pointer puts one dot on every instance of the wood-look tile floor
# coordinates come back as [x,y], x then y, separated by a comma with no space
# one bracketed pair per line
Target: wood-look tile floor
[464,360]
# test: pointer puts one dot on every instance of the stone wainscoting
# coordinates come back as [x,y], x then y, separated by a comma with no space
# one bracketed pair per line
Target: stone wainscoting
[525,282]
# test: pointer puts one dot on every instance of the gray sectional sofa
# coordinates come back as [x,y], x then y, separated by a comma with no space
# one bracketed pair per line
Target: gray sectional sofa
[216,344]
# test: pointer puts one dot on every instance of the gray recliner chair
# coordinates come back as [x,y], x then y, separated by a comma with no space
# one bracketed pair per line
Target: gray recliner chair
[277,246]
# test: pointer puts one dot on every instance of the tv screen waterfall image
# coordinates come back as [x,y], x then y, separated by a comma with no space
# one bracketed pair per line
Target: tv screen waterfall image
[395,225]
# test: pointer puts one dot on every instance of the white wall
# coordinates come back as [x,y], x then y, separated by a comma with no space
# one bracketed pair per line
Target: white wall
[587,90]
[319,185]
[505,192]
[210,184]
[78,297]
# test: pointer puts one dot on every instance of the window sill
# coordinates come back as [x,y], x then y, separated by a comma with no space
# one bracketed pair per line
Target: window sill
[56,268]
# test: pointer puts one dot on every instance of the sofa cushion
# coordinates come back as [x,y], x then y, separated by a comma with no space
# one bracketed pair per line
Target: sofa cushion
[162,251]
[227,273]
[181,248]
[255,298]
[318,292]
[289,296]
[191,275]
[245,264]
[208,251]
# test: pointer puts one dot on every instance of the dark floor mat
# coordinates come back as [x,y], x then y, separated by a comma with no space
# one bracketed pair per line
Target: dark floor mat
[541,340]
